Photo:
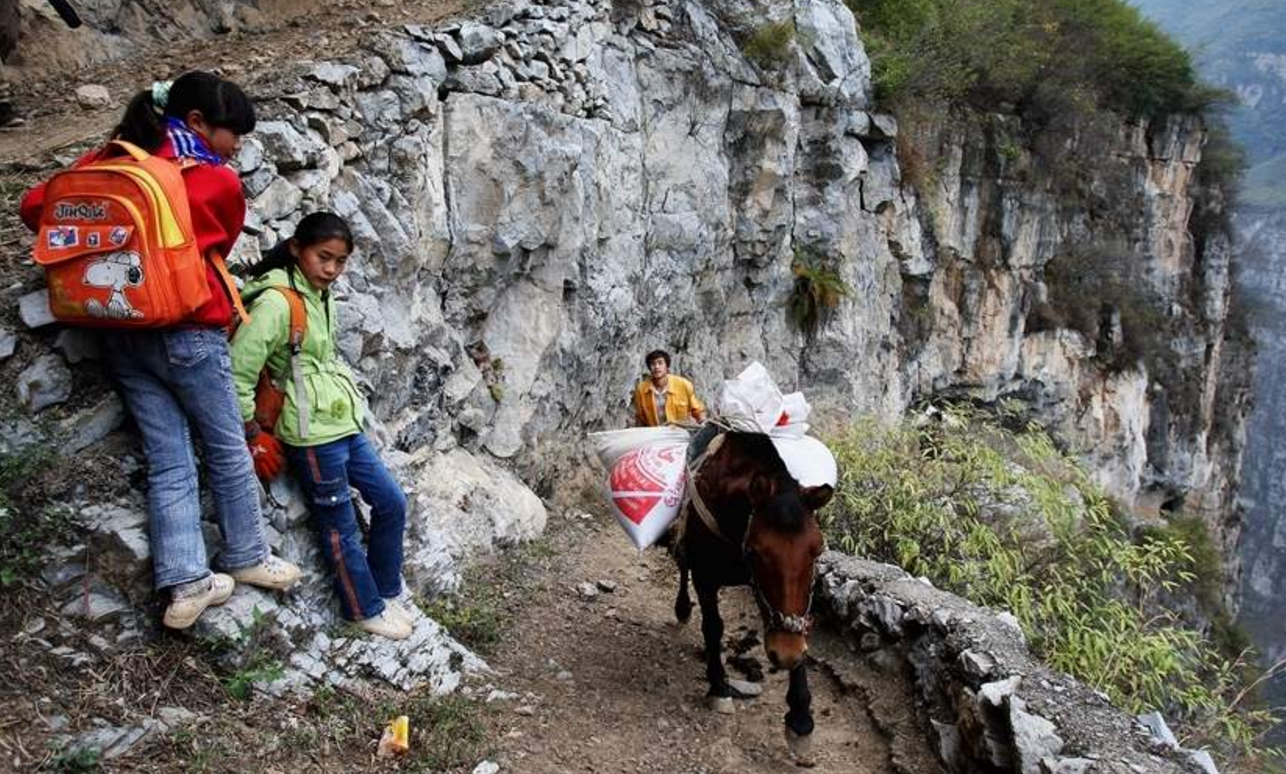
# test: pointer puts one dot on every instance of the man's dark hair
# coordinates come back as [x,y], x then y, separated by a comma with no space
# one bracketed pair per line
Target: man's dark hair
[653,355]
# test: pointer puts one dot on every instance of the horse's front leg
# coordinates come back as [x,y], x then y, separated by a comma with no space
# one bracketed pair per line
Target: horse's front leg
[682,602]
[799,718]
[720,694]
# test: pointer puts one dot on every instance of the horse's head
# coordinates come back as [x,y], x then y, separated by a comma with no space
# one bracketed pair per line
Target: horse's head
[781,548]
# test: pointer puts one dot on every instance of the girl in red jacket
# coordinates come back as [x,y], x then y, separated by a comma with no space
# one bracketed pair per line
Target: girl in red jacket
[177,382]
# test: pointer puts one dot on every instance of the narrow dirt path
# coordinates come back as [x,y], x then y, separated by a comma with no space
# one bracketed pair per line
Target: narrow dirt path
[613,684]
[55,121]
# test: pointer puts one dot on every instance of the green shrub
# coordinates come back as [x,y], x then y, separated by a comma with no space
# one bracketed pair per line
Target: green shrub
[27,530]
[1008,521]
[991,51]
[817,291]
[769,44]
[1207,565]
[941,50]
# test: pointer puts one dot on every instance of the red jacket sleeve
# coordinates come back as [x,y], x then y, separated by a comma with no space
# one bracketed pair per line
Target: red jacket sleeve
[33,201]
[218,207]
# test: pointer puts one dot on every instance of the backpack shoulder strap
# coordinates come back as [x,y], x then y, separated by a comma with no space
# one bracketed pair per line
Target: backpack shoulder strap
[298,315]
[298,327]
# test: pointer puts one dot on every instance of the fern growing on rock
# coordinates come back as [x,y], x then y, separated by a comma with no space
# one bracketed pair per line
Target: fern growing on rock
[817,292]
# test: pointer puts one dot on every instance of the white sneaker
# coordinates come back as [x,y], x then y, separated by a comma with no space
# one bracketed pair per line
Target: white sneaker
[386,624]
[395,608]
[182,613]
[272,573]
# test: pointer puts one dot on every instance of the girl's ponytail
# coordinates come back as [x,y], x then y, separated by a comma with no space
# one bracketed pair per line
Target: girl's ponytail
[221,102]
[141,123]
[278,257]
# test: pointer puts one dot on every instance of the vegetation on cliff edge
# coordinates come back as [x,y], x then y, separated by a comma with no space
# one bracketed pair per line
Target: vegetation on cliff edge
[1008,521]
[1029,54]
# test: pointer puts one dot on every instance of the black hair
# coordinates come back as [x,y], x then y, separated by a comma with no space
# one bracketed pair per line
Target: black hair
[222,103]
[315,228]
[653,355]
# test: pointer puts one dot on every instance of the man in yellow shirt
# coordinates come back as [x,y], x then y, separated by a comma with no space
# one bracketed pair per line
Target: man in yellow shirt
[665,398]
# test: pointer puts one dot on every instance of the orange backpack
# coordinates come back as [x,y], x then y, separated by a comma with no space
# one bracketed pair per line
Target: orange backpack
[117,244]
[270,395]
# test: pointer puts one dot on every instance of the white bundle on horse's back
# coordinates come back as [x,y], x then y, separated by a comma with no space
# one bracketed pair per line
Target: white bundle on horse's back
[753,395]
[807,459]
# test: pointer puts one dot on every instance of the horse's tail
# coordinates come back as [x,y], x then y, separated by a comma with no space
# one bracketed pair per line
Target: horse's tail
[683,602]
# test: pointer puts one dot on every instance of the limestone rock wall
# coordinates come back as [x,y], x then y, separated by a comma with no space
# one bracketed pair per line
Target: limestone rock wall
[548,192]
[113,29]
[1165,435]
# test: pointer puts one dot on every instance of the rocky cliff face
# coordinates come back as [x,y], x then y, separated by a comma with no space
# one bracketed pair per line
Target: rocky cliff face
[1264,234]
[116,28]
[543,195]
[1015,252]
[546,196]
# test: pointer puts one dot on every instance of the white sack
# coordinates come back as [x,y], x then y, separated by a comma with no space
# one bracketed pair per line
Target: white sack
[645,489]
[611,445]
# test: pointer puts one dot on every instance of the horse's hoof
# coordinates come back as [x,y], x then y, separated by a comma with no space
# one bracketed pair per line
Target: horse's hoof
[742,689]
[801,748]
[721,704]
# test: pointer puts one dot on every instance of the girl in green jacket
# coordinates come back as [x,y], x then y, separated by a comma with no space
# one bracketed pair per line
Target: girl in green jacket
[320,426]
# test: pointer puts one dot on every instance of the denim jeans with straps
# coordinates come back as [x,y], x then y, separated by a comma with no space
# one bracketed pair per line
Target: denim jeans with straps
[178,386]
[364,578]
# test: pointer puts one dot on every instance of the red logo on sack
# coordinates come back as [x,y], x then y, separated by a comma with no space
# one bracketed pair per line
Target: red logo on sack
[636,509]
[639,481]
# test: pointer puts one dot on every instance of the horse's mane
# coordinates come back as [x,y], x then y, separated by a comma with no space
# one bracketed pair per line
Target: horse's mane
[784,509]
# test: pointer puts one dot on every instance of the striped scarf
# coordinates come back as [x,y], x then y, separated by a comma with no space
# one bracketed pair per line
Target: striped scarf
[188,144]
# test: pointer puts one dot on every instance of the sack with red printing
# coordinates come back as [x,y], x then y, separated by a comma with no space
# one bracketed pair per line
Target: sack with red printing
[645,489]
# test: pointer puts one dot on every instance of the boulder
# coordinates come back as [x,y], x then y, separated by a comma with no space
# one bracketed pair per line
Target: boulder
[93,96]
[287,147]
[8,343]
[33,309]
[46,382]
[478,42]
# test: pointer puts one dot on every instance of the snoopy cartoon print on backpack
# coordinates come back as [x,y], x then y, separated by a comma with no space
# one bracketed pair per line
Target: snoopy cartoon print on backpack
[121,223]
[116,271]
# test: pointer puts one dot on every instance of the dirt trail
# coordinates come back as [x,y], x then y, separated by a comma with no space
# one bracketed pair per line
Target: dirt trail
[55,121]
[613,684]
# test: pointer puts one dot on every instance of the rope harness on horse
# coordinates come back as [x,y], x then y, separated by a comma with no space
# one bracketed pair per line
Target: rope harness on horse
[776,620]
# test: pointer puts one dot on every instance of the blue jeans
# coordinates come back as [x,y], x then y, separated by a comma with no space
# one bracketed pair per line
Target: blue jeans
[364,577]
[174,382]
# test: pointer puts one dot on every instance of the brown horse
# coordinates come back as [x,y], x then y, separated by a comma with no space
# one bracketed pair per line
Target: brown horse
[764,534]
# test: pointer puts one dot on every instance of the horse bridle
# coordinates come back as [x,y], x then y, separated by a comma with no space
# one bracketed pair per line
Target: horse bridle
[775,620]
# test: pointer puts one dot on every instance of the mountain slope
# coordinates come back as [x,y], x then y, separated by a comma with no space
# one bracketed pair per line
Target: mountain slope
[1241,46]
